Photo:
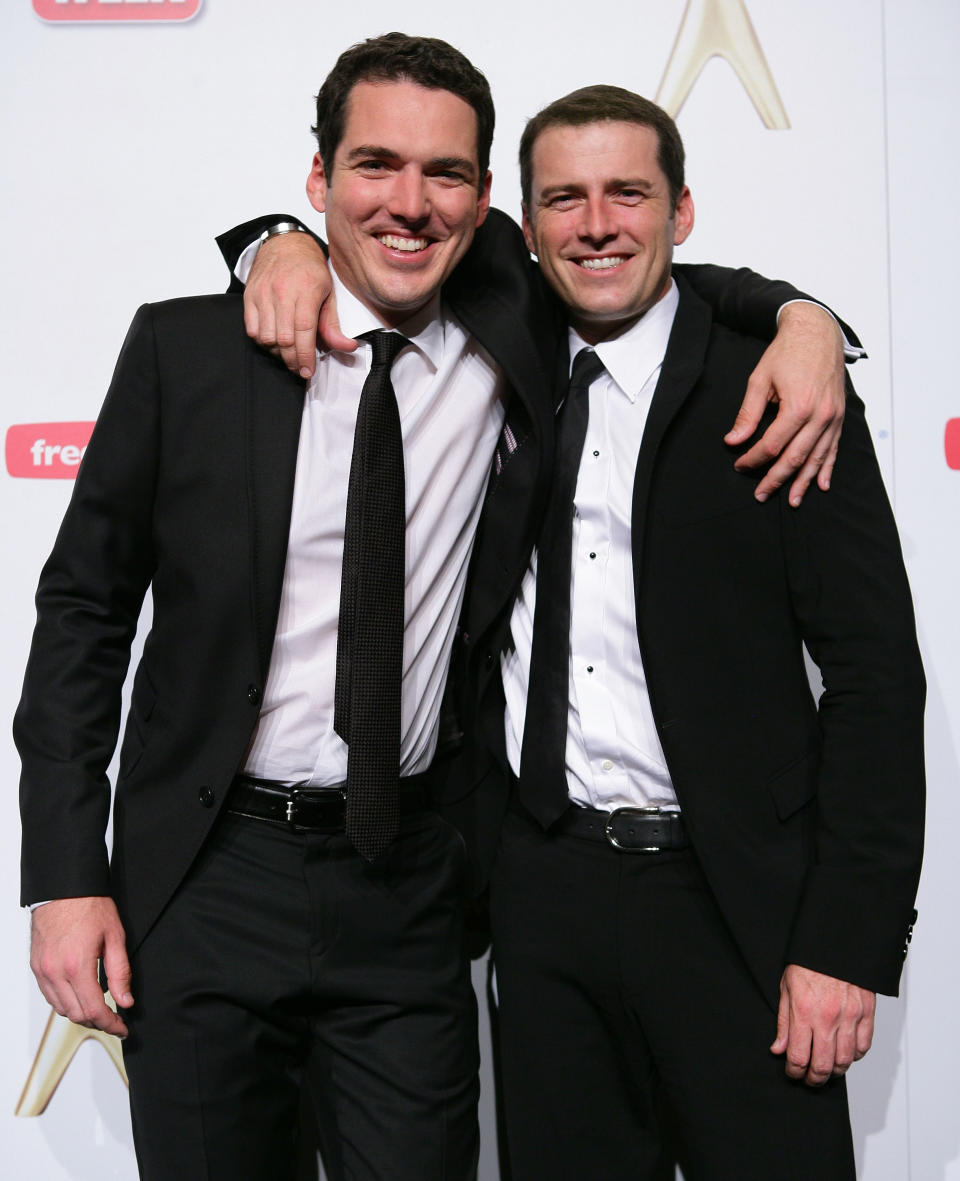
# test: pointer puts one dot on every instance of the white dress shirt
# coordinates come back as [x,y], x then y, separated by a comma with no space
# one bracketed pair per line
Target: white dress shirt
[449,393]
[613,755]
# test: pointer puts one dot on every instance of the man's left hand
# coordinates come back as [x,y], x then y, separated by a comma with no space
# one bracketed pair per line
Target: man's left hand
[823,1024]
[802,370]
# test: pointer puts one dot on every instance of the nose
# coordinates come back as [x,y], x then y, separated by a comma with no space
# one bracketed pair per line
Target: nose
[408,199]
[596,224]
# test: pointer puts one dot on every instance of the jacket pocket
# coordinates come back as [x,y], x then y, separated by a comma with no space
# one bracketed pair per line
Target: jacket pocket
[795,784]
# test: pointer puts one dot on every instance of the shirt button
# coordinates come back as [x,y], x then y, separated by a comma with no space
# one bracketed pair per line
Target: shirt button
[207,797]
[592,554]
[589,668]
[607,765]
[596,455]
[253,695]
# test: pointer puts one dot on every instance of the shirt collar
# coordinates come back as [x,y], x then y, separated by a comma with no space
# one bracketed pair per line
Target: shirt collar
[634,355]
[425,328]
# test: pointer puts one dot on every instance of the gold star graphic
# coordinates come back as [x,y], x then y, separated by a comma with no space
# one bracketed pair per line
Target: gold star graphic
[61,1040]
[720,28]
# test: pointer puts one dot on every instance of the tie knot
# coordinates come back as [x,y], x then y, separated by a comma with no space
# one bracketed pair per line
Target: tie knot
[385,345]
[587,367]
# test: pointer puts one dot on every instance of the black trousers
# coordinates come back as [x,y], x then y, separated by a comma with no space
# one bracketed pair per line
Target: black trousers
[631,1029]
[284,955]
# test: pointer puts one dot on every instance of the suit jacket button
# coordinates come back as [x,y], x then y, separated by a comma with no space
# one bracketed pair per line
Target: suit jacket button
[253,695]
[207,796]
[488,660]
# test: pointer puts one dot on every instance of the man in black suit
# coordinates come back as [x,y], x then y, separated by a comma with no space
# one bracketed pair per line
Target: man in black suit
[702,868]
[268,937]
[263,945]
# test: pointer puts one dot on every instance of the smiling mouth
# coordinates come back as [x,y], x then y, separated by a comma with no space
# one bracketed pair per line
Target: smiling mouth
[601,264]
[407,245]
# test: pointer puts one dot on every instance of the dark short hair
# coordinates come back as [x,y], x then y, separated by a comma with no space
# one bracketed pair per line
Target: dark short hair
[606,104]
[396,57]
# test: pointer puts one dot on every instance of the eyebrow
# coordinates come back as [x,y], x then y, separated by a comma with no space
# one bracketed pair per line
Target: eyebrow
[462,163]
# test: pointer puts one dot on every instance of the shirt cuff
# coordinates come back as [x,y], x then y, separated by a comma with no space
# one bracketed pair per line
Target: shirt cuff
[249,253]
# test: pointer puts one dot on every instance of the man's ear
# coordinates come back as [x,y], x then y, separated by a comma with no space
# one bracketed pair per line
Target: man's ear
[683,217]
[317,185]
[483,202]
[527,230]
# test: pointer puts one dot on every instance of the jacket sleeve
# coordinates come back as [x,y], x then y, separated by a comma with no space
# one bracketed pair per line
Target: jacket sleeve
[747,302]
[88,602]
[850,594]
[233,243]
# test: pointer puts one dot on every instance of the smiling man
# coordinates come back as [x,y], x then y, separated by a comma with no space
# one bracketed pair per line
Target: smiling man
[705,875]
[289,903]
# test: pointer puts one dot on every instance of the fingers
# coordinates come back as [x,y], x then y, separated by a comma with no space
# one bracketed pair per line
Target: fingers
[803,370]
[71,987]
[67,939]
[829,1025]
[751,410]
[286,289]
[800,450]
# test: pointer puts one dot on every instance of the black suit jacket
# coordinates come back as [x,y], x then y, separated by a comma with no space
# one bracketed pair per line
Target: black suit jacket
[186,489]
[808,822]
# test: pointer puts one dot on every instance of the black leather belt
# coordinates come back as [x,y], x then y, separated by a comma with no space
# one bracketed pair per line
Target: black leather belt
[630,830]
[311,809]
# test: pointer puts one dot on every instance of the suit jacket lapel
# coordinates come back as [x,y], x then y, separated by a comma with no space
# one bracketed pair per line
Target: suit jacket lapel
[682,365]
[515,494]
[273,399]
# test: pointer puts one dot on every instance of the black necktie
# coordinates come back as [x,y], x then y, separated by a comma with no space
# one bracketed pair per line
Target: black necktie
[543,783]
[370,629]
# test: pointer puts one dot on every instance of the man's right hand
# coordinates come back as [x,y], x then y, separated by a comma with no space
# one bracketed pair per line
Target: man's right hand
[67,937]
[288,305]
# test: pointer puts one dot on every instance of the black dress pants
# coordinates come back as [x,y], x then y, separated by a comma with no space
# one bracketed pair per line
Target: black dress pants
[625,1010]
[283,955]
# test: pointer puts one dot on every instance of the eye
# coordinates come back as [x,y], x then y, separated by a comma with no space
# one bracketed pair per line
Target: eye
[561,201]
[371,167]
[450,176]
[628,196]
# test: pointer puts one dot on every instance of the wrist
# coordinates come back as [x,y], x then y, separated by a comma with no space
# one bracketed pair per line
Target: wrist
[282,227]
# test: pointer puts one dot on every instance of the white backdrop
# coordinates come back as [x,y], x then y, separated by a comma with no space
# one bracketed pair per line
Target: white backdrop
[128,144]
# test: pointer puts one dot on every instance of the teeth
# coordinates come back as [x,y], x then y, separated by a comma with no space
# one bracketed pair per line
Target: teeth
[393,242]
[601,264]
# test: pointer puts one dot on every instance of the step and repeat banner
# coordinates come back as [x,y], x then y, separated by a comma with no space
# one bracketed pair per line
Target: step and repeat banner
[822,147]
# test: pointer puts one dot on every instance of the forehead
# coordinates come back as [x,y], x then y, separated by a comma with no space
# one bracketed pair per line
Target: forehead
[610,149]
[410,119]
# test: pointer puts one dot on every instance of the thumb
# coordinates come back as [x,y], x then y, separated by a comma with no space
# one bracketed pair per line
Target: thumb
[328,329]
[779,1045]
[751,410]
[117,967]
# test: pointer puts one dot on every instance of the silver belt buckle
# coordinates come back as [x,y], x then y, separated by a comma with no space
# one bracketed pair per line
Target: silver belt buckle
[609,834]
[315,795]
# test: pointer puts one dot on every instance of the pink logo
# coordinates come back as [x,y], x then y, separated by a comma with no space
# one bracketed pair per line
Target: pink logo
[116,10]
[951,443]
[47,450]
